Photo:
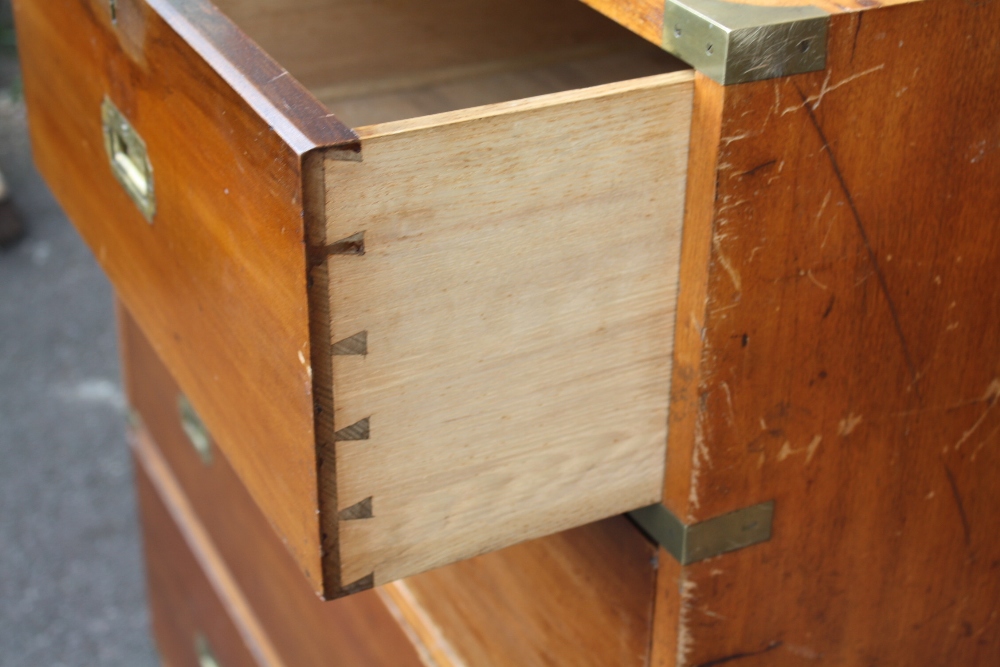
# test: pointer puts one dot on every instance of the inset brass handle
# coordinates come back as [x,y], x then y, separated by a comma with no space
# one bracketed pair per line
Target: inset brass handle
[205,656]
[195,429]
[129,159]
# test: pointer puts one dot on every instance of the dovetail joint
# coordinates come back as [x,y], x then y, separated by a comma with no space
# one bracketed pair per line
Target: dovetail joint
[355,345]
[357,431]
[361,510]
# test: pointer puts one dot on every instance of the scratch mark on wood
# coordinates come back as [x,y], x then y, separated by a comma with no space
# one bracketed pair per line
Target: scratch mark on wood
[736,137]
[731,416]
[817,99]
[810,449]
[764,165]
[685,642]
[815,281]
[990,397]
[819,214]
[829,306]
[857,30]
[711,614]
[726,207]
[847,425]
[730,270]
[985,442]
[700,455]
[863,233]
[966,529]
[739,656]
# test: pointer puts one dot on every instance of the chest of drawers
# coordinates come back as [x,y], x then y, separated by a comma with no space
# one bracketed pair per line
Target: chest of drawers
[417,340]
[468,274]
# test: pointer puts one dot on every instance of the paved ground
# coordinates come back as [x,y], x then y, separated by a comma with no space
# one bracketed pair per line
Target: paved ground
[71,580]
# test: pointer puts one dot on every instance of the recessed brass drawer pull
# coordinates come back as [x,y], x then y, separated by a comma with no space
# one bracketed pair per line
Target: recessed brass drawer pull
[195,429]
[129,159]
[205,656]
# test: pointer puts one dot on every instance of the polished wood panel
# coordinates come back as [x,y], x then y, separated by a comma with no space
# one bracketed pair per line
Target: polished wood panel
[583,597]
[188,614]
[218,279]
[514,301]
[847,360]
[303,630]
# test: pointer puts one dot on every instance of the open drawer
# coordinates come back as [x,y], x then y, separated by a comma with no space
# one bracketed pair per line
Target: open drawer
[426,317]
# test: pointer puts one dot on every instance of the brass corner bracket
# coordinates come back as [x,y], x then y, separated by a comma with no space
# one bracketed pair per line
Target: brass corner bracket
[738,43]
[698,541]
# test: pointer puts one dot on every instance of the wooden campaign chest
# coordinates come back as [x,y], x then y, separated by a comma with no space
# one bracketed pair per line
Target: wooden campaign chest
[405,283]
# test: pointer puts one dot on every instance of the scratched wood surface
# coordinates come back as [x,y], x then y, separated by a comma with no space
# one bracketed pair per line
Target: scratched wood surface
[302,629]
[842,354]
[645,17]
[516,305]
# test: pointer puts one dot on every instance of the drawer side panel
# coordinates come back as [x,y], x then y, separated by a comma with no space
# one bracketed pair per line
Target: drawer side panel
[516,290]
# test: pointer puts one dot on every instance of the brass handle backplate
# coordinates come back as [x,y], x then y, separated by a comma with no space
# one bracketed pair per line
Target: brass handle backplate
[205,656]
[195,429]
[129,159]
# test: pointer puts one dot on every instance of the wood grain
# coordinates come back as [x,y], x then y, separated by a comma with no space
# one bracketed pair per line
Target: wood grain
[218,280]
[343,42]
[302,629]
[583,597]
[479,84]
[518,303]
[848,359]
[645,17]
[186,602]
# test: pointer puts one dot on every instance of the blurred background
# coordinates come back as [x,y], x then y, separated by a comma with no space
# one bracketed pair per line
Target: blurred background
[71,579]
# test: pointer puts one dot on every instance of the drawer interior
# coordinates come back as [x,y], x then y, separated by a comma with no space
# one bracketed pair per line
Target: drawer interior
[373,62]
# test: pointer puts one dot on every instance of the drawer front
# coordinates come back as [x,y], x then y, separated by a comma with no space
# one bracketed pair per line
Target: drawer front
[583,597]
[216,275]
[191,621]
[303,629]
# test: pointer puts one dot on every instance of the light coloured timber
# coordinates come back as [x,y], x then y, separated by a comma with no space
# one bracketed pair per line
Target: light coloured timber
[482,83]
[340,42]
[517,288]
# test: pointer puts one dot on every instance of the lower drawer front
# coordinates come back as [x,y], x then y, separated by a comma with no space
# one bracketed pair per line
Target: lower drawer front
[301,629]
[191,622]
[583,597]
